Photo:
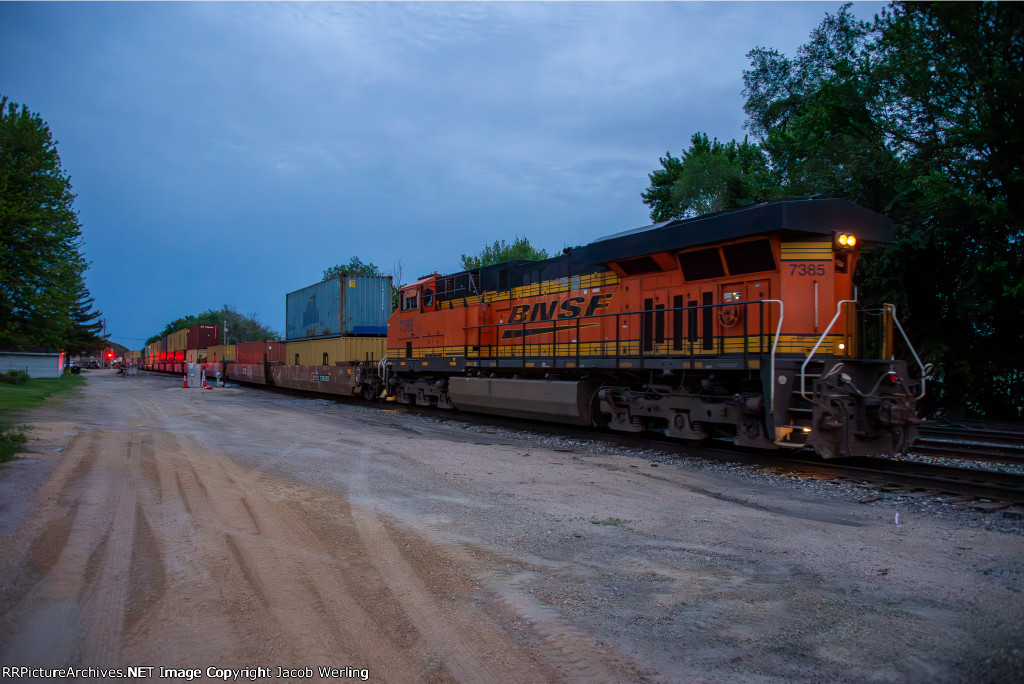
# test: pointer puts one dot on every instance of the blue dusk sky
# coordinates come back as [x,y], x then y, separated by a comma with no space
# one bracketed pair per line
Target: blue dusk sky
[228,153]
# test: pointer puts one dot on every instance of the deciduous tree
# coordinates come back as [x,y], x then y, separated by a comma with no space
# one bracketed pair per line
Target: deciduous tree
[710,176]
[355,266]
[241,327]
[501,251]
[917,115]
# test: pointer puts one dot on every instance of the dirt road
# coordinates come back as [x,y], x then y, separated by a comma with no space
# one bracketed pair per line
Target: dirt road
[235,528]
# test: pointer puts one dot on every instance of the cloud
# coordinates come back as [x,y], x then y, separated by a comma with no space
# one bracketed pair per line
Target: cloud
[264,142]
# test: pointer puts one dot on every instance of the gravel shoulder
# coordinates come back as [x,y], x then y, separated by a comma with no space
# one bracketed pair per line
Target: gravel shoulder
[240,528]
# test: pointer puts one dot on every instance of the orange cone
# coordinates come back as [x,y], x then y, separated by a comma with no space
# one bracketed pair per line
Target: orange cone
[204,380]
[184,382]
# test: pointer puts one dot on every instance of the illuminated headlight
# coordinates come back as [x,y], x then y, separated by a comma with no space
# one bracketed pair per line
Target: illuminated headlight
[842,346]
[846,240]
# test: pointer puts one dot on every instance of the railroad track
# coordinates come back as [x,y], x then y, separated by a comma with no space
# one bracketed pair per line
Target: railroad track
[993,442]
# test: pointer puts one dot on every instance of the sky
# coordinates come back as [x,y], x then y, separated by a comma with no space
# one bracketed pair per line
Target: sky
[229,153]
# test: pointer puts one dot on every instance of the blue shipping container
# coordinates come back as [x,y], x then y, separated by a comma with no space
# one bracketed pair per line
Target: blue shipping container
[346,305]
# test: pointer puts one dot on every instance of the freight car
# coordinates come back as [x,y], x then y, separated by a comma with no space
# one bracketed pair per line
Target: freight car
[742,324]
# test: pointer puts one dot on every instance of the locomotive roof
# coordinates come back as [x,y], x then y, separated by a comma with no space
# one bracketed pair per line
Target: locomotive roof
[816,215]
[809,216]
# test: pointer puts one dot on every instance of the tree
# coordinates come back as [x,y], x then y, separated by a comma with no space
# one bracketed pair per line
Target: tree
[501,251]
[355,266]
[41,263]
[821,117]
[918,115]
[710,176]
[84,335]
[240,327]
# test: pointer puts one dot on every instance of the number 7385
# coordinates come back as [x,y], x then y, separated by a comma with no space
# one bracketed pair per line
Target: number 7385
[807,269]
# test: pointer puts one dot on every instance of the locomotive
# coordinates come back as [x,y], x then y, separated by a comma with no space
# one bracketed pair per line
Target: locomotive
[742,324]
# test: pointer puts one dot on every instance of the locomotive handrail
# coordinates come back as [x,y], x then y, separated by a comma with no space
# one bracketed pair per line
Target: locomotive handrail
[523,351]
[383,370]
[803,366]
[924,369]
[775,344]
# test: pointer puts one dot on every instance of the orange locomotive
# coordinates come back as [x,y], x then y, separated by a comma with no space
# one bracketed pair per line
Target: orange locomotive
[741,324]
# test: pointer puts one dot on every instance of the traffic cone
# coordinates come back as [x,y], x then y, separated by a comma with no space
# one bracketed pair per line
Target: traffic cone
[184,381]
[204,381]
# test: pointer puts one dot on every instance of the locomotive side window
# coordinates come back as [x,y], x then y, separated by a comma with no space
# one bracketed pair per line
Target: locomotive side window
[410,301]
[644,264]
[749,257]
[701,264]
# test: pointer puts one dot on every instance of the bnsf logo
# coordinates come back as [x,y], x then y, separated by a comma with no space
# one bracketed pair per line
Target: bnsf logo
[570,307]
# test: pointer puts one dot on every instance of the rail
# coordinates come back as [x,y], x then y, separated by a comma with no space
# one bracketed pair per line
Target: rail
[655,342]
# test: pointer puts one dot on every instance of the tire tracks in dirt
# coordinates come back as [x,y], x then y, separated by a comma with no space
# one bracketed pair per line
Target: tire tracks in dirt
[146,547]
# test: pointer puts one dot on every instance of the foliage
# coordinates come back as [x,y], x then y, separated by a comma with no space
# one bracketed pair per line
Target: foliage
[14,377]
[28,393]
[501,251]
[240,327]
[915,115]
[11,441]
[41,263]
[83,335]
[710,176]
[34,392]
[355,266]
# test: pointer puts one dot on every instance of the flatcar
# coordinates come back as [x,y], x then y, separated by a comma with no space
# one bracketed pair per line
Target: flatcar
[742,324]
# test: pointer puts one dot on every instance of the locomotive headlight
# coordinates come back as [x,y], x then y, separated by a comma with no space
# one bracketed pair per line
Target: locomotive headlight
[844,242]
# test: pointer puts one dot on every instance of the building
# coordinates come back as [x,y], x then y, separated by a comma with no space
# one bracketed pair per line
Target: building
[38,363]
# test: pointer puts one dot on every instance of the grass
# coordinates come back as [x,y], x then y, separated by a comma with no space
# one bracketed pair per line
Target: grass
[614,522]
[25,396]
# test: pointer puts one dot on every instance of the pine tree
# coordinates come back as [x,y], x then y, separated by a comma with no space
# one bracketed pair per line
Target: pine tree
[41,263]
[85,333]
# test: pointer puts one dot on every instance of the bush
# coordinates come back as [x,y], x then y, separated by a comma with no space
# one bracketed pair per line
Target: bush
[11,440]
[15,377]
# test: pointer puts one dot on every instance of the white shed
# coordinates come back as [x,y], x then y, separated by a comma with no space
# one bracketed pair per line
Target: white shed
[36,364]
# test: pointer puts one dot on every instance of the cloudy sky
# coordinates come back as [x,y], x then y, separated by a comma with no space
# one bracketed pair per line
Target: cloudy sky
[228,153]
